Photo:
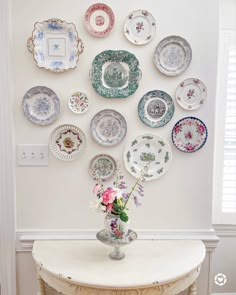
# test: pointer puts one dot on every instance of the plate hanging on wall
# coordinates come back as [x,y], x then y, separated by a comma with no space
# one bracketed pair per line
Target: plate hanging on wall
[67,142]
[102,166]
[191,94]
[148,151]
[41,105]
[189,134]
[156,108]
[108,127]
[78,102]
[55,45]
[173,55]
[99,20]
[115,73]
[140,27]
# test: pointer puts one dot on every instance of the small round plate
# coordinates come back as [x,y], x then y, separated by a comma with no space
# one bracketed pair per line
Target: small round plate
[99,20]
[78,102]
[67,142]
[189,134]
[41,105]
[108,127]
[173,55]
[140,27]
[191,94]
[156,108]
[102,166]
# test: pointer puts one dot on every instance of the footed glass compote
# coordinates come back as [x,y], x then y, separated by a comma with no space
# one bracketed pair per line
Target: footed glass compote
[104,237]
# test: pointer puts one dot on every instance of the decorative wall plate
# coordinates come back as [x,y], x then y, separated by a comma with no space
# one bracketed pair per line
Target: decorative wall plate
[55,45]
[191,94]
[189,134]
[108,127]
[78,102]
[67,142]
[102,166]
[150,151]
[115,73]
[156,108]
[41,105]
[173,55]
[99,19]
[140,27]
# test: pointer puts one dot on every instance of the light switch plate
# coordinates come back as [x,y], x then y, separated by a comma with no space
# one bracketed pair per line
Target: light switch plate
[32,154]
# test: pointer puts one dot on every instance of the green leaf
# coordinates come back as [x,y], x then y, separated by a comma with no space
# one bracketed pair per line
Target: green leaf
[124,217]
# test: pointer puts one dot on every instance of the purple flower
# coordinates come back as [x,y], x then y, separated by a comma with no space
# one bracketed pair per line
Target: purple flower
[137,201]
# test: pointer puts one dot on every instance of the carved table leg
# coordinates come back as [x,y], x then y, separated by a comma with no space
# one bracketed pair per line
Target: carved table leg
[41,286]
[192,290]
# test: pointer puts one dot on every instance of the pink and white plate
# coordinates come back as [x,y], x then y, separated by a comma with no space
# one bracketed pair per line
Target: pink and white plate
[189,134]
[99,20]
[78,102]
[191,94]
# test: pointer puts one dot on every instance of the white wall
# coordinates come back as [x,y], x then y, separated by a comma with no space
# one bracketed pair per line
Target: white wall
[57,197]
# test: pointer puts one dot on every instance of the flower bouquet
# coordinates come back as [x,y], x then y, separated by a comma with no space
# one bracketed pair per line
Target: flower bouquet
[113,201]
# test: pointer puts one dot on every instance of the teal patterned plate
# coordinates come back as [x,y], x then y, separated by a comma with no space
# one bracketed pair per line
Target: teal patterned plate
[156,108]
[115,73]
[148,151]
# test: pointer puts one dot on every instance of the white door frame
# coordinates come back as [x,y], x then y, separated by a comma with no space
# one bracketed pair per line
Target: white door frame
[7,157]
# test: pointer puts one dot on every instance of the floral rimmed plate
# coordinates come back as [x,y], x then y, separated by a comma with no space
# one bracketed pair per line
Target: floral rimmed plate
[189,134]
[108,127]
[78,102]
[191,94]
[140,27]
[173,55]
[41,105]
[156,108]
[99,19]
[67,142]
[150,151]
[102,166]
[115,73]
[55,45]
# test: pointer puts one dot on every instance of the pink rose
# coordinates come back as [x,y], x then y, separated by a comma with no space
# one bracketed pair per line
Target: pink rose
[108,196]
[109,207]
[201,129]
[177,128]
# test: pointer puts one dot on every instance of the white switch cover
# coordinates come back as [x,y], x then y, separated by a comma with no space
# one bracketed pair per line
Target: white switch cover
[32,154]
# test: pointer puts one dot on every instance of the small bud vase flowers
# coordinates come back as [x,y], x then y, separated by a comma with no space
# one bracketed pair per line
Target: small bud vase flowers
[113,201]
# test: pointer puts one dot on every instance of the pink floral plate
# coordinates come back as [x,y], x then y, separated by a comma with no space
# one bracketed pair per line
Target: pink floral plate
[189,134]
[99,20]
[191,94]
[78,102]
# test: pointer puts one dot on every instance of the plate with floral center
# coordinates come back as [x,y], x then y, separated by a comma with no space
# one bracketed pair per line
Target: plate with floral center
[189,134]
[173,55]
[102,167]
[140,27]
[67,142]
[108,127]
[156,108]
[41,105]
[78,102]
[99,20]
[148,152]
[191,94]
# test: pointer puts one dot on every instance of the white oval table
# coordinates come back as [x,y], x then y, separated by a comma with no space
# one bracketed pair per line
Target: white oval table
[150,267]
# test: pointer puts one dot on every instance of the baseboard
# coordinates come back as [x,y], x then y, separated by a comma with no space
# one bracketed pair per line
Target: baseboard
[25,239]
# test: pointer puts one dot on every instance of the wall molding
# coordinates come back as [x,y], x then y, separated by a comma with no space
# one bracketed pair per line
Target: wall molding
[7,157]
[25,239]
[225,230]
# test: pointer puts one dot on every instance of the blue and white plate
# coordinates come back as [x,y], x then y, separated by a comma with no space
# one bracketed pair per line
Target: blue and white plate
[41,105]
[156,108]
